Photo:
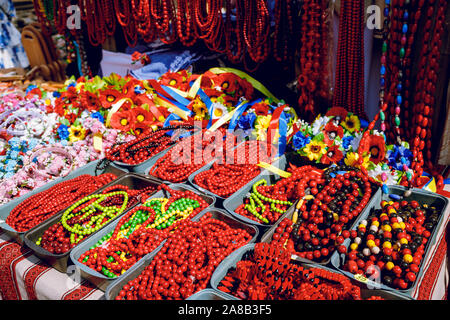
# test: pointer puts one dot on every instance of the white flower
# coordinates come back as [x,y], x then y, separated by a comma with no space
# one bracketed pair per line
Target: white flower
[319,124]
[355,142]
[219,110]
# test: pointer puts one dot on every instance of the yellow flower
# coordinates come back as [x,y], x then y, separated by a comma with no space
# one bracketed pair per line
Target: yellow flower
[353,157]
[262,123]
[200,109]
[315,150]
[351,123]
[76,133]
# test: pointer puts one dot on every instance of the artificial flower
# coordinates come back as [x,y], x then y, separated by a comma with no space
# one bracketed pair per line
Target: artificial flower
[331,132]
[399,156]
[199,109]
[141,129]
[76,133]
[109,97]
[227,82]
[261,109]
[374,145]
[352,159]
[140,115]
[262,124]
[63,132]
[97,115]
[175,80]
[219,110]
[319,124]
[245,89]
[315,150]
[299,141]
[90,101]
[351,123]
[332,155]
[122,120]
[347,141]
[337,112]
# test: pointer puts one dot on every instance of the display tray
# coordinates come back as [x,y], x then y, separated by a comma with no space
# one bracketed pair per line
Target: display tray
[207,167]
[114,288]
[99,279]
[143,167]
[231,261]
[233,202]
[267,236]
[61,261]
[90,169]
[421,196]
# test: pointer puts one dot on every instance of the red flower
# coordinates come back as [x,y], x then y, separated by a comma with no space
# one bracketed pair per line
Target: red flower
[228,82]
[245,89]
[136,56]
[140,115]
[69,96]
[109,97]
[261,109]
[331,132]
[375,146]
[212,93]
[337,112]
[333,155]
[71,117]
[175,80]
[90,101]
[122,121]
[128,88]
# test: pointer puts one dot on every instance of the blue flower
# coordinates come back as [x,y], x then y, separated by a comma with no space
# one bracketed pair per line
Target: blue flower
[399,156]
[347,141]
[245,122]
[56,94]
[63,132]
[300,141]
[99,116]
[30,87]
[14,155]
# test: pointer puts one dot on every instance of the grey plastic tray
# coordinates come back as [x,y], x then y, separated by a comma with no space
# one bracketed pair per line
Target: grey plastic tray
[61,261]
[267,237]
[114,288]
[421,196]
[233,202]
[97,278]
[6,209]
[231,261]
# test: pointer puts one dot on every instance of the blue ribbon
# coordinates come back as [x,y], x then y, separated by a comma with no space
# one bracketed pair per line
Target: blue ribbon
[179,101]
[209,105]
[282,130]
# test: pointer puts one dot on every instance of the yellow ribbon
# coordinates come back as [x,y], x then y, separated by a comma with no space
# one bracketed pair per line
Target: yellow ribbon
[274,169]
[115,107]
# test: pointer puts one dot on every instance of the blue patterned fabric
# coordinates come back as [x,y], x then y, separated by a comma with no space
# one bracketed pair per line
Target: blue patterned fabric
[12,54]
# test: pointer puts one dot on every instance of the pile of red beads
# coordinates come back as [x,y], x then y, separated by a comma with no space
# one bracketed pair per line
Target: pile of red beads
[187,260]
[140,231]
[188,156]
[322,219]
[146,146]
[43,205]
[225,177]
[390,243]
[268,273]
[266,203]
[89,215]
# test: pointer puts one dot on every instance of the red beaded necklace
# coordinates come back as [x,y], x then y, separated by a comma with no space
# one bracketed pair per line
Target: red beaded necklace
[43,205]
[349,82]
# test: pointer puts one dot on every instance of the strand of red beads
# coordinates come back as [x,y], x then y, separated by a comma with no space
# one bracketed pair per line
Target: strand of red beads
[225,178]
[59,239]
[187,260]
[43,205]
[188,156]
[321,219]
[139,150]
[389,245]
[268,273]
